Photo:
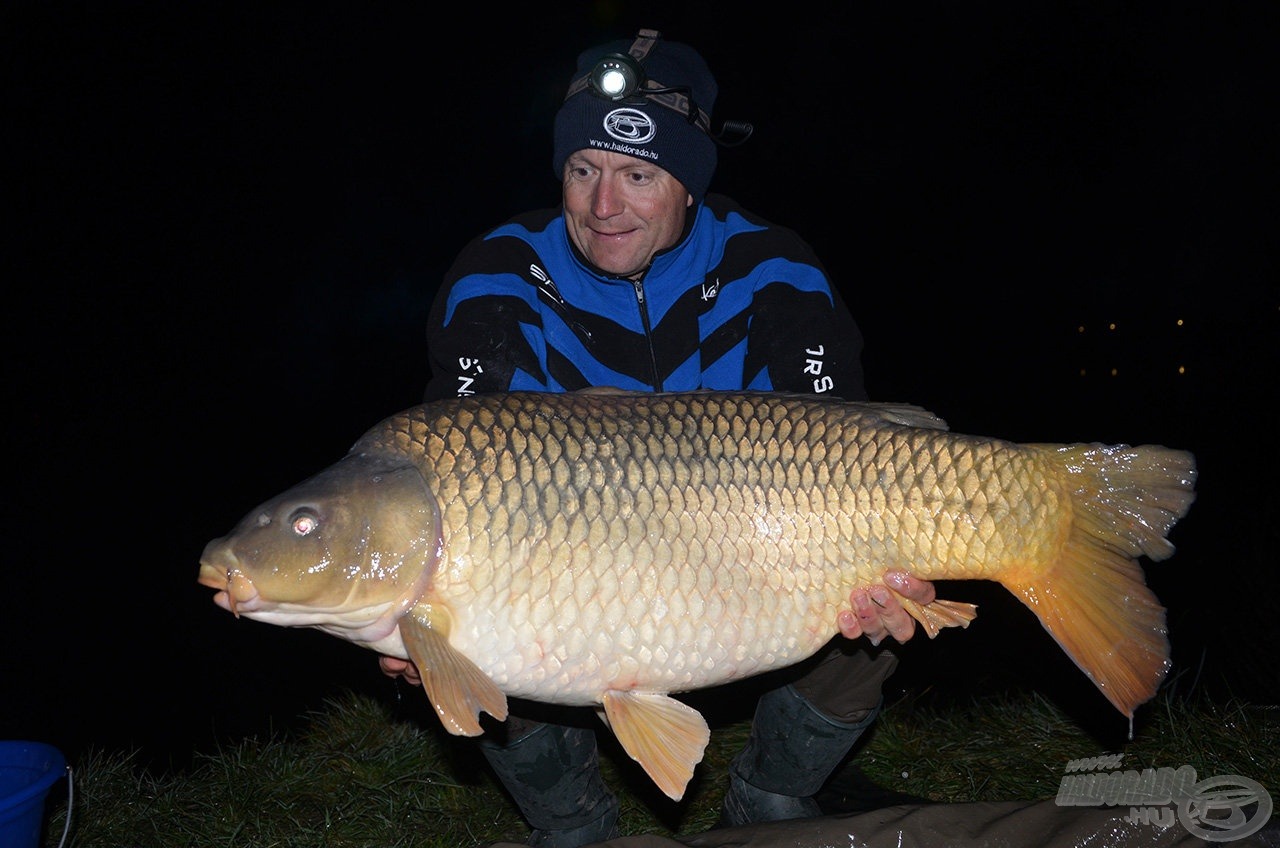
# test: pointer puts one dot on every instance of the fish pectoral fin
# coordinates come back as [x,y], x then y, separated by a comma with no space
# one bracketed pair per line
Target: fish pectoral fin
[456,686]
[938,614]
[666,737]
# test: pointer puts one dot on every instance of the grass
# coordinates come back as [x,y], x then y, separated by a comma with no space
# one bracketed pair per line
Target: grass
[358,775]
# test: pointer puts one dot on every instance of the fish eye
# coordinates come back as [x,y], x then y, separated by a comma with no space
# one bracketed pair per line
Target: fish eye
[304,522]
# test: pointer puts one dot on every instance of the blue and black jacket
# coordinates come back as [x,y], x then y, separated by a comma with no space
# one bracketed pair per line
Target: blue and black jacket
[738,303]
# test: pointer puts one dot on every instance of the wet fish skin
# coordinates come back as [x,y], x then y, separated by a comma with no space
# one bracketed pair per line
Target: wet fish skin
[611,548]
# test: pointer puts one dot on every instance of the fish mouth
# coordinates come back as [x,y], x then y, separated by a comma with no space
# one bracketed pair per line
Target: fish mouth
[236,592]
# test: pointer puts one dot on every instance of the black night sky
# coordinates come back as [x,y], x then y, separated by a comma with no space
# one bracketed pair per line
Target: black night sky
[228,221]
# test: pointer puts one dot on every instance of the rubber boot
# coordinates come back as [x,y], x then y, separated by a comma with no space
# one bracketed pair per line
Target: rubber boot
[553,775]
[792,749]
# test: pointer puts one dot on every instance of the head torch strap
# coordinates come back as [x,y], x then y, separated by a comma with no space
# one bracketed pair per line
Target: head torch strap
[673,100]
[678,102]
[577,85]
[643,44]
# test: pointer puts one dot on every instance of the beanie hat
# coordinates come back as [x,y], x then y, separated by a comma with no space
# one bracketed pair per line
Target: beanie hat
[652,127]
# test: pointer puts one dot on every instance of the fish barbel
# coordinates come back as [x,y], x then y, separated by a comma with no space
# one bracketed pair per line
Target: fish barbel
[610,548]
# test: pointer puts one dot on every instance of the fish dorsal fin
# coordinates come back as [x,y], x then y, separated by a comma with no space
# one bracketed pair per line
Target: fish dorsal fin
[457,688]
[908,415]
[608,390]
[666,737]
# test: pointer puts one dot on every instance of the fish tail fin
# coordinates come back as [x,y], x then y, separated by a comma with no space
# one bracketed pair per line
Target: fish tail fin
[1093,599]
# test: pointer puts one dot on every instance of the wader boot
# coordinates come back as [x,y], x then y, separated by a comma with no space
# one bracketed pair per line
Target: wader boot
[553,775]
[792,750]
[846,684]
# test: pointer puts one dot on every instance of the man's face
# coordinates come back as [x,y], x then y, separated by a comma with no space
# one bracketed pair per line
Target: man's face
[620,210]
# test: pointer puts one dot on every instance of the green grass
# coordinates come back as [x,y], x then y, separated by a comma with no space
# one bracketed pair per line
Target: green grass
[357,775]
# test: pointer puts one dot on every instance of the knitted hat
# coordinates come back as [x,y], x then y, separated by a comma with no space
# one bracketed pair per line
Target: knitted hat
[653,127]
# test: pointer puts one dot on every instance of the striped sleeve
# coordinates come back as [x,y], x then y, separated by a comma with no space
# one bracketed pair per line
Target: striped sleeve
[484,326]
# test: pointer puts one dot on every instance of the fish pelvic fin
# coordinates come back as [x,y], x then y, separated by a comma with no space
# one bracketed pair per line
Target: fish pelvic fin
[666,737]
[1093,599]
[456,687]
[937,614]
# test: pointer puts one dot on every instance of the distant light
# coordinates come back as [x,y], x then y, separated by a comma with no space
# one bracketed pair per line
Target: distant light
[1182,369]
[1080,329]
[1082,372]
[1114,372]
[1111,326]
[1179,322]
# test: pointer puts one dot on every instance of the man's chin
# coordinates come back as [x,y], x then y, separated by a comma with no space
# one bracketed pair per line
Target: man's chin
[616,268]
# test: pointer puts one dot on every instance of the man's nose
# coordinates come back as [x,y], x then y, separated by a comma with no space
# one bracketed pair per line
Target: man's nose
[607,201]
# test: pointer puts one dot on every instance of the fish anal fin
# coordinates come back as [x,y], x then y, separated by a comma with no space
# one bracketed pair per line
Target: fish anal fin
[456,687]
[666,737]
[938,614]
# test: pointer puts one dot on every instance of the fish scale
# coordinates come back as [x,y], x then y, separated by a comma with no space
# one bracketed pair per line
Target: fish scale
[570,480]
[611,548]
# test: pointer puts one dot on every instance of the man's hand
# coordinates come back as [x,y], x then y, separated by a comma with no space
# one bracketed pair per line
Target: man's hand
[396,667]
[877,612]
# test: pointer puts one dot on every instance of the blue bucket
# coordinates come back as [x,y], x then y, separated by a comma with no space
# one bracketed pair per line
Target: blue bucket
[28,771]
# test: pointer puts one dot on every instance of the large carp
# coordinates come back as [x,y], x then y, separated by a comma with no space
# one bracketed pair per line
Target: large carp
[608,548]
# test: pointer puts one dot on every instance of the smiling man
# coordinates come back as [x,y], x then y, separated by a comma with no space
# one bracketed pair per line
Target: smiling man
[644,281]
[620,211]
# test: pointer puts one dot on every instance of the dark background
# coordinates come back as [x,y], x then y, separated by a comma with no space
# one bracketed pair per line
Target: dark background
[229,220]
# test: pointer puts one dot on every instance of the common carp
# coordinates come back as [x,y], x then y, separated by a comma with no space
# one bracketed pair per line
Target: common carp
[611,548]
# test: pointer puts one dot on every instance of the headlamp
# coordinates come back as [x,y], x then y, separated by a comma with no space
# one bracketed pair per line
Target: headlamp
[618,76]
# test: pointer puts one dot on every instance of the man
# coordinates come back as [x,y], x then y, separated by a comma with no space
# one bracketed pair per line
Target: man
[643,281]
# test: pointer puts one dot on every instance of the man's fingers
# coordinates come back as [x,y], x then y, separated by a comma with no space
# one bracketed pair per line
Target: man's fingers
[911,588]
[867,613]
[396,667]
[896,621]
[877,613]
[848,624]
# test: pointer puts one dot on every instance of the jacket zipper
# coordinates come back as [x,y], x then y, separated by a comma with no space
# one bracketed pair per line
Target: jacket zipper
[648,332]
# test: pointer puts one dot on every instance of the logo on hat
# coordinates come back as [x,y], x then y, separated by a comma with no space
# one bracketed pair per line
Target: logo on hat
[629,125]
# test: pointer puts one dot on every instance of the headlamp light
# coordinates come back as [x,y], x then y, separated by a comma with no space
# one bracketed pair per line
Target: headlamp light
[616,77]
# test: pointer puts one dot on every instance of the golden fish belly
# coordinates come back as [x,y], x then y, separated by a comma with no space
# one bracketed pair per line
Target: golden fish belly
[574,633]
[674,542]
